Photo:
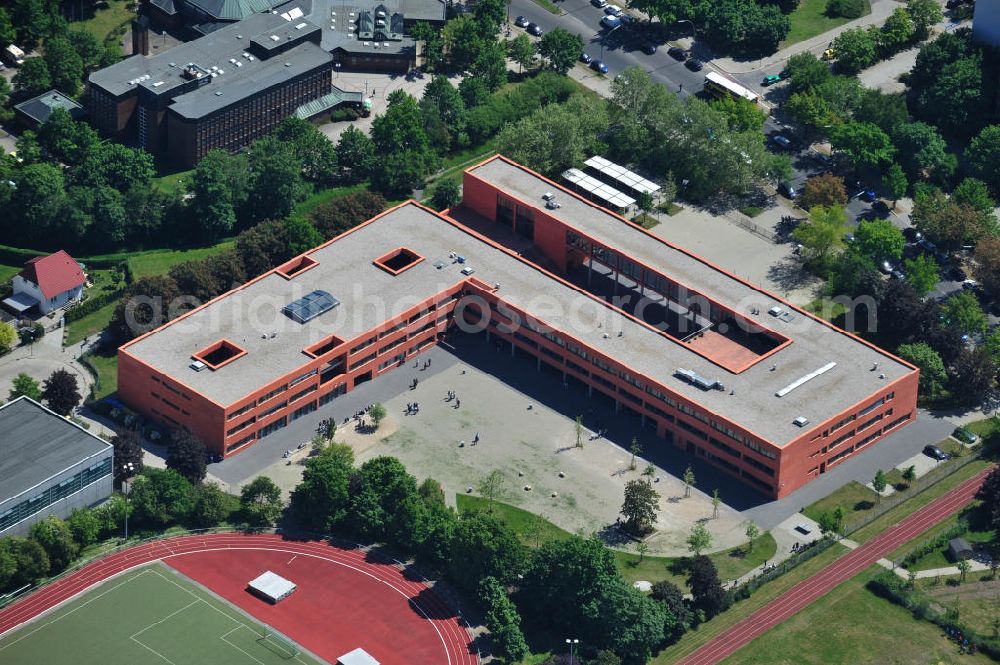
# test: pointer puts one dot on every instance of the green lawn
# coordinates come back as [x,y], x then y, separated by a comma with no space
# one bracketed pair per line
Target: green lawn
[324,196]
[151,615]
[979,532]
[171,183]
[7,272]
[102,21]
[810,19]
[534,530]
[975,599]
[89,325]
[159,261]
[852,625]
[107,373]
[645,221]
[854,497]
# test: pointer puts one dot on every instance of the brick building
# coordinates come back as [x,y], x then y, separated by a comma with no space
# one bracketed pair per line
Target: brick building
[714,365]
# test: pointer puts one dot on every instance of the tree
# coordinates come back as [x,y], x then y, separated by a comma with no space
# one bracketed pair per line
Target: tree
[855,49]
[561,48]
[924,14]
[38,200]
[667,594]
[743,115]
[895,183]
[31,562]
[115,165]
[484,546]
[212,200]
[954,101]
[752,533]
[377,413]
[84,526]
[986,264]
[312,148]
[989,494]
[60,392]
[964,567]
[635,449]
[896,32]
[64,64]
[933,375]
[689,481]
[703,580]
[973,374]
[91,52]
[160,497]
[355,155]
[699,539]
[8,337]
[211,506]
[260,502]
[865,144]
[806,71]
[921,273]
[578,431]
[845,8]
[923,152]
[491,487]
[490,65]
[522,50]
[879,239]
[879,483]
[502,620]
[716,502]
[444,113]
[26,386]
[128,453]
[8,35]
[399,137]
[32,78]
[910,474]
[320,501]
[887,110]
[949,223]
[447,193]
[963,312]
[186,455]
[640,506]
[275,179]
[822,235]
[56,539]
[346,212]
[823,190]
[831,522]
[983,155]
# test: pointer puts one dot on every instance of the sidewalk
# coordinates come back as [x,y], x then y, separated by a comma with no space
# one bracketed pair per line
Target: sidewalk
[881,9]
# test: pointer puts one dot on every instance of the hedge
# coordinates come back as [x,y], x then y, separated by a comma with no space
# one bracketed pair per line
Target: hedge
[91,305]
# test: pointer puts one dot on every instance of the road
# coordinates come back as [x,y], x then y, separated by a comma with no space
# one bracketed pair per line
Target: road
[841,570]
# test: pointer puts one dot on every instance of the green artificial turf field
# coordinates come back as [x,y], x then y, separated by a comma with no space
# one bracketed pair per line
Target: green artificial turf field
[150,615]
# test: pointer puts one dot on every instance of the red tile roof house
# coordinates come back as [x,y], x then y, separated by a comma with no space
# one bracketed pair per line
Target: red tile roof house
[50,282]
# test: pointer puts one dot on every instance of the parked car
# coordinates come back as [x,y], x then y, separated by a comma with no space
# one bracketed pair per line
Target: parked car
[934,452]
[827,54]
[613,10]
[970,285]
[868,195]
[534,29]
[648,48]
[610,22]
[781,141]
[600,4]
[964,435]
[677,53]
[786,190]
[694,64]
[585,59]
[521,22]
[886,267]
[599,66]
[771,79]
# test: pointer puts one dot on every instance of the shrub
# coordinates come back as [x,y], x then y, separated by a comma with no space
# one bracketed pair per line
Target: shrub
[845,8]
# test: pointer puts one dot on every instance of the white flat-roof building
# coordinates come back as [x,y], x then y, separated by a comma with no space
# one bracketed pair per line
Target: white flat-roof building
[271,587]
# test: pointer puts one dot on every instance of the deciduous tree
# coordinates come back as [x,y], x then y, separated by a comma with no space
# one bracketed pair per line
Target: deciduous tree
[864,144]
[60,392]
[128,454]
[561,49]
[186,455]
[879,239]
[963,312]
[161,497]
[640,506]
[25,385]
[260,502]
[55,537]
[522,50]
[895,183]
[320,501]
[699,540]
[855,49]
[921,273]
[823,190]
[822,235]
[65,65]
[703,580]
[933,375]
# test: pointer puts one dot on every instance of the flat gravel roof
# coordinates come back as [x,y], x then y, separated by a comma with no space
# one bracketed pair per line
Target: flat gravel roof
[36,444]
[251,318]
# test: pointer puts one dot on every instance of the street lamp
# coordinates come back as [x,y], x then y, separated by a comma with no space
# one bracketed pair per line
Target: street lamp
[128,469]
[606,35]
[571,643]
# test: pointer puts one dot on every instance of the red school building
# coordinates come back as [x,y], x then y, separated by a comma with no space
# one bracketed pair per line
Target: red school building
[719,367]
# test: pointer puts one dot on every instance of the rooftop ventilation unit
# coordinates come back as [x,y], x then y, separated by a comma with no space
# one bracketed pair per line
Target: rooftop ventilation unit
[775,311]
[698,380]
[548,196]
[468,270]
[552,205]
[808,377]
[275,38]
[198,366]
[801,421]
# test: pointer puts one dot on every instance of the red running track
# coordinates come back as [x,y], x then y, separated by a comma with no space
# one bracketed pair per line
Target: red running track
[437,635]
[839,571]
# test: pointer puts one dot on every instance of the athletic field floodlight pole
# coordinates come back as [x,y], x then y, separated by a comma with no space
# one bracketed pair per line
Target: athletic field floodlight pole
[572,643]
[128,468]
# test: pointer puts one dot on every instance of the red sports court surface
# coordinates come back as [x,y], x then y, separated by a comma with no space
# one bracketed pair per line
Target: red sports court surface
[346,598]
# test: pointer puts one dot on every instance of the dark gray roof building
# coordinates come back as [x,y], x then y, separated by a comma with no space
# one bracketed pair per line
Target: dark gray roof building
[37,110]
[48,465]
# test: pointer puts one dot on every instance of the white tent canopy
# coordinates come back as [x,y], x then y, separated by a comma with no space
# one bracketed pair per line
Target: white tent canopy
[357,657]
[271,587]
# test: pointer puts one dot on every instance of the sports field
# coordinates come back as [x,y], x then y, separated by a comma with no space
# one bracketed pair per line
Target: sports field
[149,615]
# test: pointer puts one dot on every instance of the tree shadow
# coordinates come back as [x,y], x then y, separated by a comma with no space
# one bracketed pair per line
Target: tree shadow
[614,535]
[430,605]
[788,274]
[864,505]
